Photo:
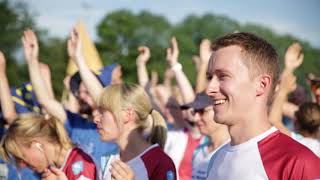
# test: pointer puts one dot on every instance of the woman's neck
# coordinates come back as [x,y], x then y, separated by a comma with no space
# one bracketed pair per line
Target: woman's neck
[60,155]
[131,145]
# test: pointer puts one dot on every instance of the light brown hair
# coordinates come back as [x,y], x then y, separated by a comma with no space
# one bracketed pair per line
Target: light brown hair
[116,97]
[28,126]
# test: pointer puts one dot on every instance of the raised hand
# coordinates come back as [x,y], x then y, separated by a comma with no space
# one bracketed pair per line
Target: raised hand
[173,52]
[205,51]
[293,57]
[30,46]
[2,63]
[75,46]
[120,170]
[144,55]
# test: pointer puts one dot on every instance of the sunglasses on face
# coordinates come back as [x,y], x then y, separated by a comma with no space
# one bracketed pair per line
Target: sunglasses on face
[200,111]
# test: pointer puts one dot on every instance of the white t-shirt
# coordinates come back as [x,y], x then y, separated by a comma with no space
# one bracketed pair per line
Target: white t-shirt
[176,145]
[312,144]
[270,155]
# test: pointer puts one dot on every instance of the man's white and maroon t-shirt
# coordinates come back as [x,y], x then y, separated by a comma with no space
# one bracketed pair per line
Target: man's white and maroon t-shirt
[271,155]
[153,164]
[79,166]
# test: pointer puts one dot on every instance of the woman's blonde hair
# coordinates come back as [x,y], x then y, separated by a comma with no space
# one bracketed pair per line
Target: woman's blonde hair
[28,126]
[115,98]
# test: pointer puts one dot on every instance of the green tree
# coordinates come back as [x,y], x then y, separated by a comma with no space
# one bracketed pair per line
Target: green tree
[14,18]
[120,34]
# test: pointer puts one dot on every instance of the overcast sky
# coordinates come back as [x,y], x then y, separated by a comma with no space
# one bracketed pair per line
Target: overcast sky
[297,17]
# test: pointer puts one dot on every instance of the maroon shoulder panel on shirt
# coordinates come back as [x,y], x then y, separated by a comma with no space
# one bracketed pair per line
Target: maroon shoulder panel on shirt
[158,164]
[85,166]
[284,158]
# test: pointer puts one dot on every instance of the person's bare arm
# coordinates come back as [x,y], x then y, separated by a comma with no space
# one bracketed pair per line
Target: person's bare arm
[167,82]
[7,104]
[46,74]
[205,53]
[287,85]
[289,109]
[87,76]
[141,61]
[196,61]
[293,59]
[31,51]
[70,102]
[182,80]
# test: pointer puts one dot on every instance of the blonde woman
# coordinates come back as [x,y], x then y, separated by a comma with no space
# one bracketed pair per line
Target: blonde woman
[44,146]
[125,117]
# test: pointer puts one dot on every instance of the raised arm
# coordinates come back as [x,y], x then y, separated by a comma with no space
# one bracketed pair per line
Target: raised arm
[87,76]
[46,74]
[289,109]
[293,59]
[196,62]
[31,52]
[287,85]
[205,53]
[141,61]
[70,102]
[167,82]
[182,80]
[7,104]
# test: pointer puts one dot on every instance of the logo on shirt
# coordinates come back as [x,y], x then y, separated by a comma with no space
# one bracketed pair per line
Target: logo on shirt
[170,175]
[77,167]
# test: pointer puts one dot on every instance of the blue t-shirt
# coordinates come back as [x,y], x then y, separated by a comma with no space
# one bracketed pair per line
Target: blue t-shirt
[10,172]
[84,134]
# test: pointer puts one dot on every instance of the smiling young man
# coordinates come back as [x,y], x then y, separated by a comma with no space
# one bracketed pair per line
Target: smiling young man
[243,71]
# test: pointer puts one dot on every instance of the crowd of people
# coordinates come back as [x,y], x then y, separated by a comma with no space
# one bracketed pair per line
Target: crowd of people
[237,122]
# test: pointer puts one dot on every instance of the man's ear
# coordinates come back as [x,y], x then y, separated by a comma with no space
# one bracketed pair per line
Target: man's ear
[263,84]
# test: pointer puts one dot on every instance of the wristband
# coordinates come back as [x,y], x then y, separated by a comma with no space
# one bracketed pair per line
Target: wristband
[176,67]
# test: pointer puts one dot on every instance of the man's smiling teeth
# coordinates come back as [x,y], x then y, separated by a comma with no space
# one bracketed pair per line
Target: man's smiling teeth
[217,102]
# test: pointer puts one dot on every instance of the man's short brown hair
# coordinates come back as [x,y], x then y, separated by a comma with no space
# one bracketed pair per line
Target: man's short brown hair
[257,54]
